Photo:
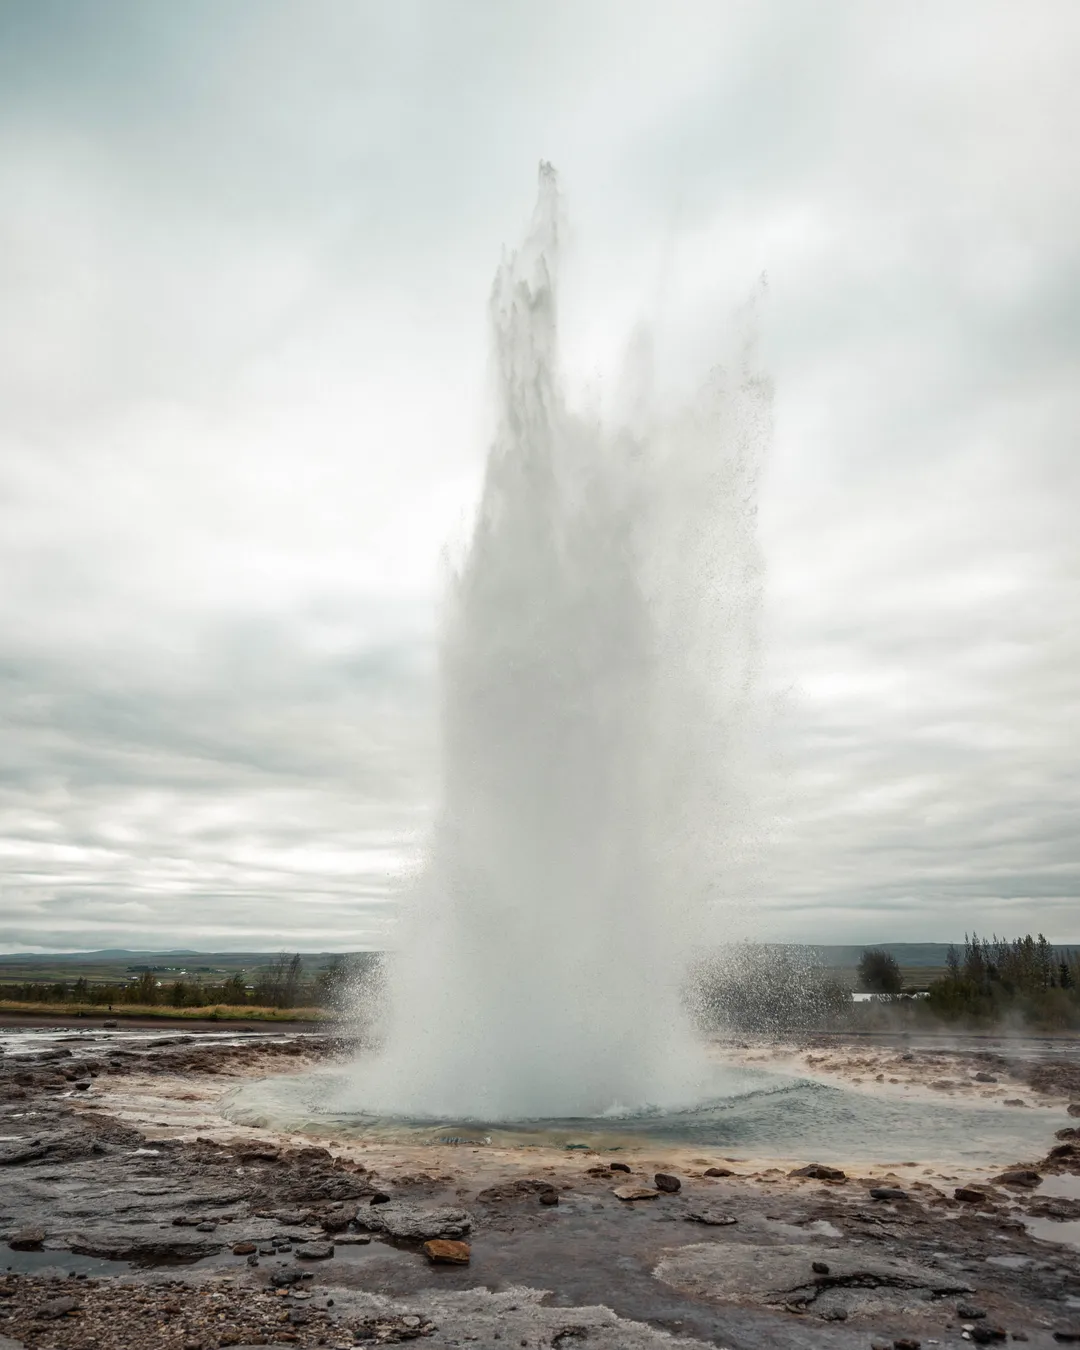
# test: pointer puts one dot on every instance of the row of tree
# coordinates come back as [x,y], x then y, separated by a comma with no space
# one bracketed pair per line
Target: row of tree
[1025,980]
[284,983]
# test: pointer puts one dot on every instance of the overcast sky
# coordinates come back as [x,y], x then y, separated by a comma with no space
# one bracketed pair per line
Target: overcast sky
[245,250]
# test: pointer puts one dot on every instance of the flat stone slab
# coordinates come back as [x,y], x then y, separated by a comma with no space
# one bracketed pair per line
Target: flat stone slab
[315,1251]
[416,1222]
[784,1277]
[635,1193]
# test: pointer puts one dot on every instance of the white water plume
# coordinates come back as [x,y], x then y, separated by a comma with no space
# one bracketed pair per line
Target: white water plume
[599,665]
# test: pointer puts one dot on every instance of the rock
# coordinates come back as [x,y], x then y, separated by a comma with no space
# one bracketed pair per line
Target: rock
[967,1312]
[667,1183]
[338,1219]
[719,1172]
[549,1197]
[618,1167]
[109,1024]
[1022,1178]
[819,1172]
[712,1217]
[742,1273]
[57,1307]
[27,1240]
[207,1226]
[352,1239]
[250,1153]
[417,1222]
[380,1198]
[984,1335]
[315,1251]
[982,1077]
[1070,1132]
[1073,1109]
[888,1193]
[819,1267]
[1068,1336]
[1062,1151]
[1015,1101]
[970,1196]
[148,1247]
[1063,1209]
[635,1193]
[244,1249]
[446,1252]
[906,1343]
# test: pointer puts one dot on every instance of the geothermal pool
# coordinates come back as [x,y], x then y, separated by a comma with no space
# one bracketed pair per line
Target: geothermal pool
[749,1113]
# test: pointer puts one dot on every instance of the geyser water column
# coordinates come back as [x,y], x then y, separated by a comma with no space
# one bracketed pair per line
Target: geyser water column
[598,664]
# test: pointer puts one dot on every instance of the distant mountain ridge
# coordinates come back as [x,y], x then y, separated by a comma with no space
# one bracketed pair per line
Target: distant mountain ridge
[928,955]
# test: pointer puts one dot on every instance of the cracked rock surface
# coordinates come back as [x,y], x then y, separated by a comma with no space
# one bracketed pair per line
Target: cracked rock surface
[146,1234]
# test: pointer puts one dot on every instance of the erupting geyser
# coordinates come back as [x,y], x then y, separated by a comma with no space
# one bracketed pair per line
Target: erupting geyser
[598,678]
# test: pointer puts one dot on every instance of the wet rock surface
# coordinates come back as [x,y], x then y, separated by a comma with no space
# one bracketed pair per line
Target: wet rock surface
[195,1244]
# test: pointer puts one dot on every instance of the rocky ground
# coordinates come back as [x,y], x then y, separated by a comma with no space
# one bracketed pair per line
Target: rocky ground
[133,1216]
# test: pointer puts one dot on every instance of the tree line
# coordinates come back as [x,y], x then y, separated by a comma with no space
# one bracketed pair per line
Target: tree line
[283,983]
[1026,980]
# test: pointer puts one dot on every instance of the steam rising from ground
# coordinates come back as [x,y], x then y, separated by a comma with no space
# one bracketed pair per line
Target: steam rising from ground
[599,666]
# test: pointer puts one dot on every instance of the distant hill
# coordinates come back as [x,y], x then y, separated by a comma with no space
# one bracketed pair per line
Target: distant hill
[839,956]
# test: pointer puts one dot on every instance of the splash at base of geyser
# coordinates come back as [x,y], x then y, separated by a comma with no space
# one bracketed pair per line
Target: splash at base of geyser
[598,682]
[748,1113]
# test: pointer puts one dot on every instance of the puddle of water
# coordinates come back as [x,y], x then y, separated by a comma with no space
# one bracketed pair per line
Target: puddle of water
[1065,1187]
[60,1263]
[1052,1230]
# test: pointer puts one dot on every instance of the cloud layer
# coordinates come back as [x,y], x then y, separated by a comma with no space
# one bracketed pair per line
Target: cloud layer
[243,262]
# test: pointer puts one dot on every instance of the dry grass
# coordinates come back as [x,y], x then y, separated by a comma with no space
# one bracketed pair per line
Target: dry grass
[218,1012]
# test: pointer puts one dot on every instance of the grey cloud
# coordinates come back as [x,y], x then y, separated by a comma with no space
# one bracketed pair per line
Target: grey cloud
[243,269]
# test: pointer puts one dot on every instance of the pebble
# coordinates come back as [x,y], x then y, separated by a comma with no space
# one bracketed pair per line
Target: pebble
[667,1183]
